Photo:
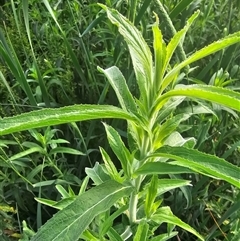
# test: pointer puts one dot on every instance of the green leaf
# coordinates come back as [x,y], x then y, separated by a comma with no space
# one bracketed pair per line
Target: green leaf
[214,94]
[179,8]
[69,223]
[112,171]
[210,49]
[97,174]
[175,139]
[142,231]
[121,89]
[119,149]
[164,237]
[159,54]
[165,215]
[163,131]
[169,107]
[171,47]
[58,205]
[66,150]
[64,203]
[62,191]
[27,152]
[88,235]
[141,11]
[165,185]
[84,185]
[151,195]
[139,50]
[202,163]
[108,223]
[163,168]
[46,117]
[113,235]
[50,182]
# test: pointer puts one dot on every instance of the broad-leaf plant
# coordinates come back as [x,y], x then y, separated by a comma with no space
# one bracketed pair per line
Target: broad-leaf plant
[128,204]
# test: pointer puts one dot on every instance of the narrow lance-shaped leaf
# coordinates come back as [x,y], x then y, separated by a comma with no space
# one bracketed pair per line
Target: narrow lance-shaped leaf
[139,50]
[180,8]
[97,174]
[215,94]
[47,117]
[120,87]
[171,47]
[151,195]
[159,54]
[165,214]
[151,168]
[142,231]
[112,171]
[206,164]
[163,131]
[119,149]
[210,49]
[69,223]
[165,185]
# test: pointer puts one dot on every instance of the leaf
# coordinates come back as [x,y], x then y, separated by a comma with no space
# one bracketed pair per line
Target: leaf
[112,171]
[47,117]
[214,94]
[97,174]
[150,196]
[165,185]
[113,235]
[179,8]
[151,168]
[171,47]
[139,50]
[66,150]
[108,223]
[64,203]
[210,49]
[169,107]
[119,149]
[121,89]
[27,152]
[164,237]
[175,139]
[206,164]
[50,182]
[58,205]
[165,215]
[88,236]
[142,231]
[159,54]
[69,223]
[165,130]
[62,191]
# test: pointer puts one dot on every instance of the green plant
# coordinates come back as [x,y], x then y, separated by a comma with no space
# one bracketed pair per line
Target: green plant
[129,204]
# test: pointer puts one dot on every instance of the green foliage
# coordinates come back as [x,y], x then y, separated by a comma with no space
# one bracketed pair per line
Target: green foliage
[50,51]
[135,192]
